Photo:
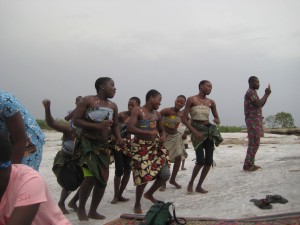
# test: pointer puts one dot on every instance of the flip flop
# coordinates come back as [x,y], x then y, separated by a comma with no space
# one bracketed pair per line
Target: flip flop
[262,203]
[276,199]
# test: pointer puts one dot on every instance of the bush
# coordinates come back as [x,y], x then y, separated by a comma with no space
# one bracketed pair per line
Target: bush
[43,125]
[230,129]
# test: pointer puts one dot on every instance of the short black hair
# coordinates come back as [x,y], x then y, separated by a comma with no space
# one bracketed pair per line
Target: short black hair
[202,82]
[137,99]
[181,96]
[101,81]
[252,79]
[5,148]
[152,92]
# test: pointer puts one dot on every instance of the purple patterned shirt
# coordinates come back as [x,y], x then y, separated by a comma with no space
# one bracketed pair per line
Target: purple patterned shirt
[253,114]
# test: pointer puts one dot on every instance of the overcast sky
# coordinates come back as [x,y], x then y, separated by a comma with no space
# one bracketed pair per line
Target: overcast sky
[57,49]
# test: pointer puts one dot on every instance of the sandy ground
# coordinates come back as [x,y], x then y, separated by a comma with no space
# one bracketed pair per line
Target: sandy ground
[230,188]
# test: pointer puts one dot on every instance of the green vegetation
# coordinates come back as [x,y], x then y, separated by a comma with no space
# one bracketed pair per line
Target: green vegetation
[230,129]
[44,126]
[280,120]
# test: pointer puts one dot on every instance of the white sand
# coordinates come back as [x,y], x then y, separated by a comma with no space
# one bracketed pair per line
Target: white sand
[230,188]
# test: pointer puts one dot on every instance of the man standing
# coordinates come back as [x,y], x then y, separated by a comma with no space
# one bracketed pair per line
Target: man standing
[254,121]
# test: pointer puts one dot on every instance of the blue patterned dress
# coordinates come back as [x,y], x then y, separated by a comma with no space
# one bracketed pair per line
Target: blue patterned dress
[10,105]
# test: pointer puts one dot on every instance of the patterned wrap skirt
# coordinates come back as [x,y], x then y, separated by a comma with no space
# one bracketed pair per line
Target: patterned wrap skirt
[95,156]
[174,144]
[148,157]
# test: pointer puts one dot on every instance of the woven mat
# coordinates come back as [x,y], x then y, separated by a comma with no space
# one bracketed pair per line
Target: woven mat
[279,219]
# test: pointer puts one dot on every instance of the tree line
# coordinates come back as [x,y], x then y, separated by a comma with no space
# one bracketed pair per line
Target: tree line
[280,120]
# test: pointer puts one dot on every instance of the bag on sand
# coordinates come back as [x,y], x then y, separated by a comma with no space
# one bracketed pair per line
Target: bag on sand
[159,214]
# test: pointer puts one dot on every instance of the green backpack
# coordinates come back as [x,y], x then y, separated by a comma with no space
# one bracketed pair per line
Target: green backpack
[159,214]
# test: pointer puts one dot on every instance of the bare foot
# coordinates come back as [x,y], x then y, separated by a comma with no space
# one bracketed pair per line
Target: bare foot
[63,208]
[119,199]
[137,209]
[82,215]
[201,190]
[163,188]
[73,206]
[122,199]
[96,216]
[190,188]
[175,184]
[114,201]
[150,197]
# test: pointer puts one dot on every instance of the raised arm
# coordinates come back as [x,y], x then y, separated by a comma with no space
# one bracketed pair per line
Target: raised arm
[261,102]
[50,121]
[266,96]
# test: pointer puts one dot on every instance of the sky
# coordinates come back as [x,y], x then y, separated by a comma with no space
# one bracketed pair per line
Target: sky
[57,49]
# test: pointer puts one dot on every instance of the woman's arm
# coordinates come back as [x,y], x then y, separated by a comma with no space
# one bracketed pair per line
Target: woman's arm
[215,112]
[50,121]
[115,125]
[185,114]
[26,208]
[23,215]
[16,129]
[69,116]
[160,127]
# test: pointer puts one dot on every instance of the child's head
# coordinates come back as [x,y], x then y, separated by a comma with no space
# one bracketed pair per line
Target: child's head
[105,86]
[133,102]
[154,98]
[101,82]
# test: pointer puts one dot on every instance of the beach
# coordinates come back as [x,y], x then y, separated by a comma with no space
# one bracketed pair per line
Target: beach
[230,189]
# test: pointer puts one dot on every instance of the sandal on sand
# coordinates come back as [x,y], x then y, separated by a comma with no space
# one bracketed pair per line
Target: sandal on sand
[262,203]
[276,199]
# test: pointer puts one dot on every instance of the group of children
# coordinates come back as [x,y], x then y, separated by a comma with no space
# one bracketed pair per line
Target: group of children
[143,141]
